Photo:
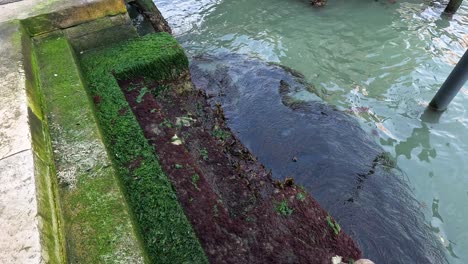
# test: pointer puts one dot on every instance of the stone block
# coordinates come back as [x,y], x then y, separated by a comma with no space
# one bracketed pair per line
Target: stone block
[81,12]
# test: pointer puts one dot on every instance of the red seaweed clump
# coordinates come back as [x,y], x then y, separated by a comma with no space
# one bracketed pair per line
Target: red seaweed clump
[238,212]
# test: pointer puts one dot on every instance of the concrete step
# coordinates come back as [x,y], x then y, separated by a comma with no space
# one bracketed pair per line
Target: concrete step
[166,231]
[62,198]
[96,222]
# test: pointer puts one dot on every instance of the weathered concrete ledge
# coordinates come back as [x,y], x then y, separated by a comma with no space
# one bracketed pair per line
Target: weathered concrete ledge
[49,215]
[78,13]
[88,26]
[31,216]
[89,193]
[39,8]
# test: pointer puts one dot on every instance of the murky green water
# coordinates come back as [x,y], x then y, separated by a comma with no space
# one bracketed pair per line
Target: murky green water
[382,61]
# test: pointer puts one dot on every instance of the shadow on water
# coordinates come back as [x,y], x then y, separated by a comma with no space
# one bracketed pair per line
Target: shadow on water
[323,149]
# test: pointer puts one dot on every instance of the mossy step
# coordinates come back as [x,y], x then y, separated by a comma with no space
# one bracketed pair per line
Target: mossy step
[166,231]
[98,226]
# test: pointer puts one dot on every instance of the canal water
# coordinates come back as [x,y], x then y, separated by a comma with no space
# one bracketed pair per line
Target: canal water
[381,61]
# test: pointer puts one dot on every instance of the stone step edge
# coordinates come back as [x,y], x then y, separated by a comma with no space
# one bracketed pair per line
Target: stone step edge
[50,216]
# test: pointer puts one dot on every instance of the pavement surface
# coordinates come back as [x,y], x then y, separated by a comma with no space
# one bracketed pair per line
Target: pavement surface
[18,205]
[19,231]
[14,9]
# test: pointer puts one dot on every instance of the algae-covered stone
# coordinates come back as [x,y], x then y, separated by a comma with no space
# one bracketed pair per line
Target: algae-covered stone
[167,233]
[98,227]
[101,32]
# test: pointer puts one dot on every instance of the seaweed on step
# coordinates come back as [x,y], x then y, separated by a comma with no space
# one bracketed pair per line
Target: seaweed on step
[166,232]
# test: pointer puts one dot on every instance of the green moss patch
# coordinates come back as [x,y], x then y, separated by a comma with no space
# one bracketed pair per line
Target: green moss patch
[48,201]
[168,235]
[97,223]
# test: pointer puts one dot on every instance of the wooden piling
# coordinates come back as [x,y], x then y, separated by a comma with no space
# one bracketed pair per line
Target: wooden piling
[453,6]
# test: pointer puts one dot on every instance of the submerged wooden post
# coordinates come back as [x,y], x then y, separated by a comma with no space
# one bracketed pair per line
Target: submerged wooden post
[452,85]
[453,6]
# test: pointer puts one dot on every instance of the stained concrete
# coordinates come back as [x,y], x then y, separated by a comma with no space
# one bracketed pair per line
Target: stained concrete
[49,18]
[29,8]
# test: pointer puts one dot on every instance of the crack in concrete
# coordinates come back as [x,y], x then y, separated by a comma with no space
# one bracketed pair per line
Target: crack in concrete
[14,154]
[4,2]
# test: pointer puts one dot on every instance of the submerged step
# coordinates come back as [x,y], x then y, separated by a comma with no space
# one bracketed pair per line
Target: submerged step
[97,225]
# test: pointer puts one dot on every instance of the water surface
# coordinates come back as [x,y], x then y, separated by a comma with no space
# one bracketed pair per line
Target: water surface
[381,61]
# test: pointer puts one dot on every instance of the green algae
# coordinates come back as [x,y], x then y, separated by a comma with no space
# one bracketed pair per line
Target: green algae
[156,56]
[15,37]
[38,24]
[48,202]
[167,234]
[97,223]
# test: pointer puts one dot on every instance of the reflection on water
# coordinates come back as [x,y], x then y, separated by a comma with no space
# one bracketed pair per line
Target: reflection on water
[419,139]
[381,62]
[186,16]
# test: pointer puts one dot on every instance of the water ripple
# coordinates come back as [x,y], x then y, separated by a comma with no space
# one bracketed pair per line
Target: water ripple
[381,61]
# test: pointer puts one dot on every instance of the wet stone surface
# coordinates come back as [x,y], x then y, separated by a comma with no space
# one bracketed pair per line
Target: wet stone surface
[324,150]
[239,213]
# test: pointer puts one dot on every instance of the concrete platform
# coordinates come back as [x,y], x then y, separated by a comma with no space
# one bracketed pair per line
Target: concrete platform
[20,241]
